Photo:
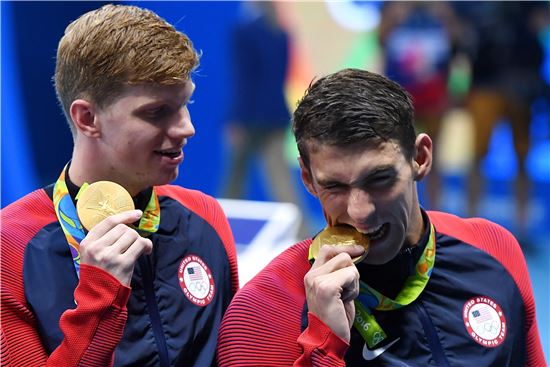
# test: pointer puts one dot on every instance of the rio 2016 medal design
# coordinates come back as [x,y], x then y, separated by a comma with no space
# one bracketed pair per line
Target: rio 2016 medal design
[101,200]
[341,235]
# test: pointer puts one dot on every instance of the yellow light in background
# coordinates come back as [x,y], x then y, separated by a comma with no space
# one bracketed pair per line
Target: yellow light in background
[326,37]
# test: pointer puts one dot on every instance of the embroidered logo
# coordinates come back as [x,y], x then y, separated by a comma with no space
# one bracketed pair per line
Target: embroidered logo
[484,321]
[369,355]
[196,280]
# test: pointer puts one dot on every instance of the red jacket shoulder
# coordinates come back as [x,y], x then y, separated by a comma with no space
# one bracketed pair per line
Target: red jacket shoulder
[268,309]
[284,273]
[21,221]
[487,236]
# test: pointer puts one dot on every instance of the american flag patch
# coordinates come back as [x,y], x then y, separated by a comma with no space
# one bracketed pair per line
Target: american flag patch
[195,273]
[482,314]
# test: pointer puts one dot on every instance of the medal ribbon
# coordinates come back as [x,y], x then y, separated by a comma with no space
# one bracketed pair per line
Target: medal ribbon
[370,299]
[72,228]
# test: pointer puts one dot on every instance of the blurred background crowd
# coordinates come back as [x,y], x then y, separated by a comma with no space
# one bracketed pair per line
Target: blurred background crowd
[478,73]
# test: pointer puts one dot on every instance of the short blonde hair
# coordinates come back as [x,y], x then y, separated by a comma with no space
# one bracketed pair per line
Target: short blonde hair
[114,46]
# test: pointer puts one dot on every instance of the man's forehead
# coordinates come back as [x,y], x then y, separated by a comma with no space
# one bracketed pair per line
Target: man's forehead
[371,147]
[152,90]
[328,162]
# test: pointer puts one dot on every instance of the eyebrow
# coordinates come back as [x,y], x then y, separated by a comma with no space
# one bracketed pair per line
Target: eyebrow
[162,101]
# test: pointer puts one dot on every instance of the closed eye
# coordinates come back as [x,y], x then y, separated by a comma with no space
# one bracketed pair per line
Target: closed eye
[333,187]
[380,181]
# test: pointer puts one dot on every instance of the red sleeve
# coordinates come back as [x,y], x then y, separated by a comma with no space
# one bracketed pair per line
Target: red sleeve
[262,326]
[321,347]
[91,331]
[501,245]
[210,210]
[94,328]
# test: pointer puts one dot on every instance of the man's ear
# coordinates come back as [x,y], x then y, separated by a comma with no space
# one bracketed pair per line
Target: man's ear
[307,179]
[423,159]
[84,118]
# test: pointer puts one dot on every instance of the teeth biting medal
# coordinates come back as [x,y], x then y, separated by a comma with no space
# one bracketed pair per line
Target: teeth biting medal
[341,235]
[101,200]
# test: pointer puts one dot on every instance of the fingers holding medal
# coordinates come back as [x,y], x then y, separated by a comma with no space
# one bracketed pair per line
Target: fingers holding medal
[107,210]
[332,284]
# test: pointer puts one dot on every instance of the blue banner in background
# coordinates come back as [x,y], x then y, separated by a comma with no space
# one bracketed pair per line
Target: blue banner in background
[18,168]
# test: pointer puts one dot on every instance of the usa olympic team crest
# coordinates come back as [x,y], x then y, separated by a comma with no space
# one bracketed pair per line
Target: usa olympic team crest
[196,280]
[485,321]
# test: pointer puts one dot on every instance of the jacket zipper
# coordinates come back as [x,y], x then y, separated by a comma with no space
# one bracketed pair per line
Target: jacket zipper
[431,335]
[152,306]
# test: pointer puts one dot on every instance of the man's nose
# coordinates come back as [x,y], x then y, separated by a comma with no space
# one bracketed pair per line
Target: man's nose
[182,127]
[360,205]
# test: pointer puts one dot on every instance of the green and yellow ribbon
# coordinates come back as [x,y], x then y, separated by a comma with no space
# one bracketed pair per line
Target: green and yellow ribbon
[72,228]
[370,299]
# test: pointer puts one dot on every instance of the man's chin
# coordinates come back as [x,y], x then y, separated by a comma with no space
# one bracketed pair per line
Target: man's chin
[167,177]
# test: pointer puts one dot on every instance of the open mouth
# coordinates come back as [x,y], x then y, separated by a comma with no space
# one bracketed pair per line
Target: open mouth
[169,153]
[377,232]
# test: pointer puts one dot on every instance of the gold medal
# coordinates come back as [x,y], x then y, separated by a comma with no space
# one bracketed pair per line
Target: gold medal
[101,200]
[340,236]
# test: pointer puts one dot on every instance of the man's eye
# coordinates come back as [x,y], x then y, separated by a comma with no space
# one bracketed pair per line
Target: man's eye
[382,181]
[156,112]
[333,188]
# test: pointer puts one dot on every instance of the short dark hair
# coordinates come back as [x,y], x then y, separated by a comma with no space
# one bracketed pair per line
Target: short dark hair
[353,106]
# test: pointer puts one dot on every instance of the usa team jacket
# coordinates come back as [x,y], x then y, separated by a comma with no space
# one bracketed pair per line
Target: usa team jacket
[169,317]
[477,309]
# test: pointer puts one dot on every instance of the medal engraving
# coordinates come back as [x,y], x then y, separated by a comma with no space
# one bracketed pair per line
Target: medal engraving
[101,200]
[342,236]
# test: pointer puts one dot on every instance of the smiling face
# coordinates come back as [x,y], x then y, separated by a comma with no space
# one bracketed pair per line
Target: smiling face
[141,135]
[371,188]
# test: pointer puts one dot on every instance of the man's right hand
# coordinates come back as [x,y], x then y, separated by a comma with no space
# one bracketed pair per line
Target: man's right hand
[331,285]
[115,247]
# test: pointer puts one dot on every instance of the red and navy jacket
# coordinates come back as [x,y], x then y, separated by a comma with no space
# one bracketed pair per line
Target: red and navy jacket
[477,308]
[50,317]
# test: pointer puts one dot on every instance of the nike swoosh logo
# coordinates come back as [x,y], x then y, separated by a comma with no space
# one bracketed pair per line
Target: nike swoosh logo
[369,355]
